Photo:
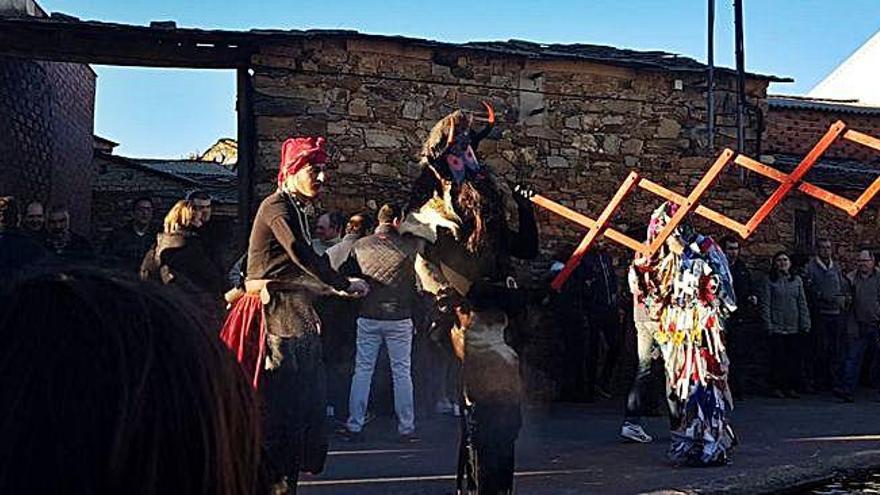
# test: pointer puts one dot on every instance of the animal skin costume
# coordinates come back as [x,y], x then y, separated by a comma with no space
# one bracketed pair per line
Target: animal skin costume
[457,206]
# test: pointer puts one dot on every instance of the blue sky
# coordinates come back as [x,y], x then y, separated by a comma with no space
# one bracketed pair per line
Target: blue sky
[171,113]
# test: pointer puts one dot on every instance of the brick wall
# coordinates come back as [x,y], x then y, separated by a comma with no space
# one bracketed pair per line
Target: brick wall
[795,131]
[46,129]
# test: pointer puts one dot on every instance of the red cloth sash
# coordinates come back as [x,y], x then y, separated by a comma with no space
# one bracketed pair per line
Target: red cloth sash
[245,334]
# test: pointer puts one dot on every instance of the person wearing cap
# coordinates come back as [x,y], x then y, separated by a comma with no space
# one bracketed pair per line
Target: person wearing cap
[274,330]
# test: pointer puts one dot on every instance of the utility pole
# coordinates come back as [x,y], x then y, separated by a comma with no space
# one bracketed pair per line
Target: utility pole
[710,76]
[740,76]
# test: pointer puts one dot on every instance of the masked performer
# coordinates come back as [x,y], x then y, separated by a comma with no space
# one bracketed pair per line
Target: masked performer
[458,207]
[273,328]
[687,287]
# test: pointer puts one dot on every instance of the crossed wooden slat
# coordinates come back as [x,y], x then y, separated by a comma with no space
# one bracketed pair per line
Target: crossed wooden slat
[690,203]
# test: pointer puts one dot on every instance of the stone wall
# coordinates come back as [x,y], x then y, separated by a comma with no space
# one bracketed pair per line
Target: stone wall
[571,129]
[47,127]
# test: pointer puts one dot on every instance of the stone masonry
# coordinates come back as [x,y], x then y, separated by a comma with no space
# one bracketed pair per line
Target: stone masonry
[571,129]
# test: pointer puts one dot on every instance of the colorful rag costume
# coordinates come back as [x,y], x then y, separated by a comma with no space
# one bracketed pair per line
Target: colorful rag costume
[687,287]
[457,206]
[274,330]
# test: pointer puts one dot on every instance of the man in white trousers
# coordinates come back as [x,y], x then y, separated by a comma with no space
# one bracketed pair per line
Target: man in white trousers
[386,260]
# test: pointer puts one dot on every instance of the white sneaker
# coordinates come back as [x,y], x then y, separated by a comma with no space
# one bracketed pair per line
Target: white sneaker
[635,433]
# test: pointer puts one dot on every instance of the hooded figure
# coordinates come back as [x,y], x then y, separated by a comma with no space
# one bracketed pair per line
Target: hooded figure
[457,206]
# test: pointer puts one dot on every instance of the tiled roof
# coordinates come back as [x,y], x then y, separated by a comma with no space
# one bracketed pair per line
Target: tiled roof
[219,181]
[821,104]
[834,173]
[638,59]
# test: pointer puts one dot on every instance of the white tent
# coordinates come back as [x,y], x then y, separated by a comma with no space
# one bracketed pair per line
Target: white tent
[857,78]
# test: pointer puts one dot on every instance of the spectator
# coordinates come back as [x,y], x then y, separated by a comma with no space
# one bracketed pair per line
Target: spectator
[639,400]
[339,316]
[737,350]
[603,317]
[826,294]
[119,389]
[387,261]
[356,227]
[568,308]
[327,231]
[17,249]
[787,320]
[130,242]
[66,245]
[211,236]
[864,319]
[179,258]
[34,220]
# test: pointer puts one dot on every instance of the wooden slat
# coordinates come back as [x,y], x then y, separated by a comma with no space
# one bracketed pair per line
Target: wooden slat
[569,214]
[628,184]
[793,178]
[862,138]
[690,203]
[703,211]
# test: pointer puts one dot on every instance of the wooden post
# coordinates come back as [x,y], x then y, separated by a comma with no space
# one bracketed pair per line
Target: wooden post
[246,155]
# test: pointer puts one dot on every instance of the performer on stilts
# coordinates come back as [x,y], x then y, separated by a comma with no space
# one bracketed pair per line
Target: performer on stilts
[273,328]
[458,206]
[687,288]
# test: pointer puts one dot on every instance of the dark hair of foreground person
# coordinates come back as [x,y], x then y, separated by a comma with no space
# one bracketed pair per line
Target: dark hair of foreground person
[111,386]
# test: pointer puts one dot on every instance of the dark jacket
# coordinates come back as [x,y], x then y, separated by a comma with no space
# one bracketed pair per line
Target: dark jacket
[181,259]
[18,250]
[865,297]
[74,248]
[826,287]
[126,245]
[600,282]
[387,261]
[784,306]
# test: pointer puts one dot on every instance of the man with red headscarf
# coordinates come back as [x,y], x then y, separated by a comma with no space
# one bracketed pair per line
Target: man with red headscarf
[274,329]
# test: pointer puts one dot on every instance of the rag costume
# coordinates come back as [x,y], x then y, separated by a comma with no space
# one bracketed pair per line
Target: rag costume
[273,328]
[687,287]
[458,207]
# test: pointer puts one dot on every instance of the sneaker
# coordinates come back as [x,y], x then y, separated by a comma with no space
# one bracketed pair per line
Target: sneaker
[409,438]
[635,433]
[779,394]
[792,394]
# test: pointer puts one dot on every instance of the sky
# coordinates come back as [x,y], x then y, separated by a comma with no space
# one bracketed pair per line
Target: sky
[174,113]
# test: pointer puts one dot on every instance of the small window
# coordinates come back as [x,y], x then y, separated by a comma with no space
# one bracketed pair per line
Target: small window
[804,231]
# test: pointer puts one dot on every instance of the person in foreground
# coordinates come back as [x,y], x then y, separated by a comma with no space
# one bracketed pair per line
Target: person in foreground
[273,328]
[112,386]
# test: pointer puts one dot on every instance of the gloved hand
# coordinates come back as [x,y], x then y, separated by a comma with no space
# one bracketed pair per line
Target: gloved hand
[523,194]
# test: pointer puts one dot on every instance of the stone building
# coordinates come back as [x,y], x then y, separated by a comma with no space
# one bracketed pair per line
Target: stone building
[121,180]
[573,119]
[46,125]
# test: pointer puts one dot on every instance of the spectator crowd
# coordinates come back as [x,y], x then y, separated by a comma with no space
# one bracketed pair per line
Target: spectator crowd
[820,322]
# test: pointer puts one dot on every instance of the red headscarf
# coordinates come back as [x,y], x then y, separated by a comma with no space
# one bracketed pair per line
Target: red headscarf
[296,153]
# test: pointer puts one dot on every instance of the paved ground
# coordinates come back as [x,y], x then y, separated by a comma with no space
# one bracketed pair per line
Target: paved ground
[568,449]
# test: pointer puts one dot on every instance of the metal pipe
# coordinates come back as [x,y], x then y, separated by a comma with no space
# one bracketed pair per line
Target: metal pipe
[740,76]
[710,76]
